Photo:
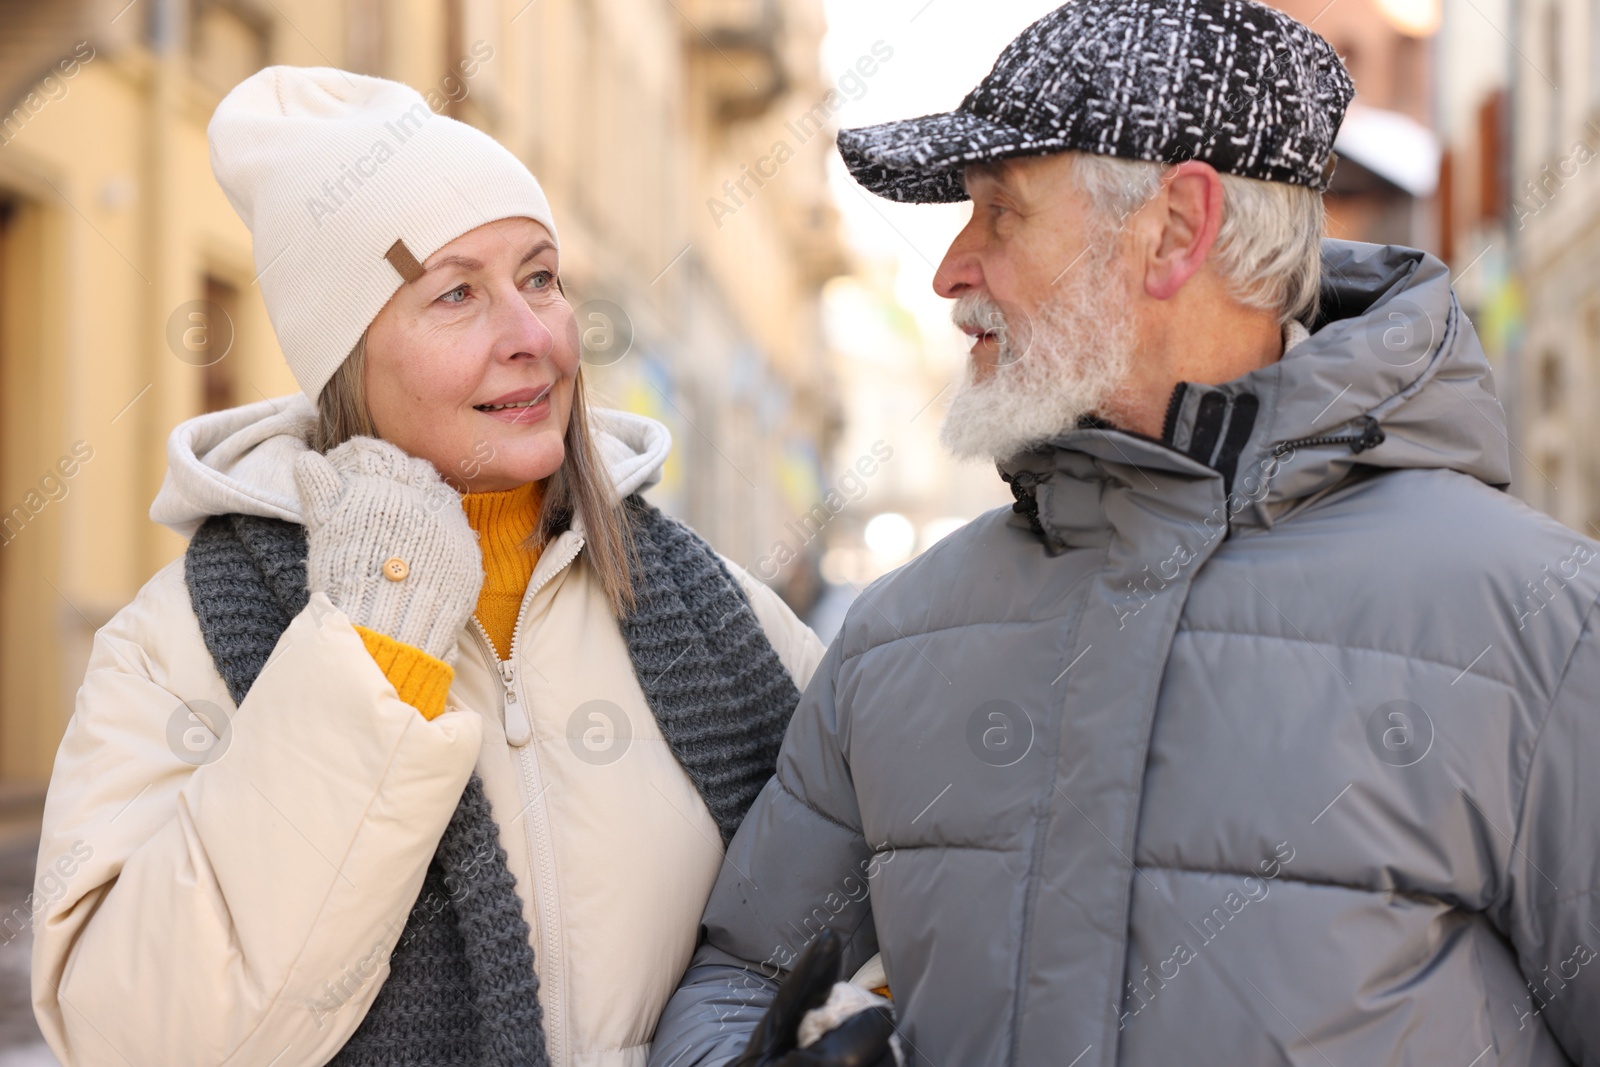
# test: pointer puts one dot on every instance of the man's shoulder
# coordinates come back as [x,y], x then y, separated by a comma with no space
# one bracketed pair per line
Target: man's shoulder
[1417,562]
[1446,518]
[942,587]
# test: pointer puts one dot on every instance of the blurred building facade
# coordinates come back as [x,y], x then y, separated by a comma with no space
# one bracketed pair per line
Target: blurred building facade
[1552,226]
[1475,123]
[1388,155]
[1520,227]
[127,296]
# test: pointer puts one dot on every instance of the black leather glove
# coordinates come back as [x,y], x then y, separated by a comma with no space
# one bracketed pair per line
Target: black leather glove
[860,1041]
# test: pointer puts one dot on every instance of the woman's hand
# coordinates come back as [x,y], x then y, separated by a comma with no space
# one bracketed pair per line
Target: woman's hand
[388,542]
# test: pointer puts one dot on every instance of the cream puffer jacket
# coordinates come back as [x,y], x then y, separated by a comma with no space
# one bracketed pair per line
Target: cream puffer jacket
[227,892]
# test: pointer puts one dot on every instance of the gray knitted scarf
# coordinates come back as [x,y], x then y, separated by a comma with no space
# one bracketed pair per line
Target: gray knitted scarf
[462,989]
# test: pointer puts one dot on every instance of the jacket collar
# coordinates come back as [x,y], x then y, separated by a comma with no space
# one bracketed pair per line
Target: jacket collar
[1392,376]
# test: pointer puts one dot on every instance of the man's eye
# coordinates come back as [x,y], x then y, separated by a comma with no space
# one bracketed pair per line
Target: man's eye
[458,289]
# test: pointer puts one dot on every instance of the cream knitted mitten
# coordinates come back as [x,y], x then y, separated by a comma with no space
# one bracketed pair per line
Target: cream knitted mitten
[388,542]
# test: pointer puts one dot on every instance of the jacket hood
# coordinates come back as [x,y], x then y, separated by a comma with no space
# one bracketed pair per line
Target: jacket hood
[242,460]
[1392,345]
[1392,376]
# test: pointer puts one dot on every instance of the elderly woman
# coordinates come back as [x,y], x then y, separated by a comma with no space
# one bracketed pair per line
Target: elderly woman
[427,749]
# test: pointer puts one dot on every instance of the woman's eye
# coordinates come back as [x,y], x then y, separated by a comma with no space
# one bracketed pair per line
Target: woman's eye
[541,279]
[458,289]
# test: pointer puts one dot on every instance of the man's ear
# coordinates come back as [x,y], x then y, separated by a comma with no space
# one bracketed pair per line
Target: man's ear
[1189,213]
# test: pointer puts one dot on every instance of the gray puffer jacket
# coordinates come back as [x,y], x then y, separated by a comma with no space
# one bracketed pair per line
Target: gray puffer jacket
[1149,773]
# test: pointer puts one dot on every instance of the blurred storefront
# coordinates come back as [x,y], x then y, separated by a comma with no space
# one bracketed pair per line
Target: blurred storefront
[127,296]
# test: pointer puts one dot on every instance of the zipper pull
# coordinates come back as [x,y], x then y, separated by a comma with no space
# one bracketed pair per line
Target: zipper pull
[1371,436]
[519,731]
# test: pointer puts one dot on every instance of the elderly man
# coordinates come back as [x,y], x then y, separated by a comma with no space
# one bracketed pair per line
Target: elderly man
[1263,730]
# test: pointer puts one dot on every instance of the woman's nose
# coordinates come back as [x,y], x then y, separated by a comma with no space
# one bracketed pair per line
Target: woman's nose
[524,331]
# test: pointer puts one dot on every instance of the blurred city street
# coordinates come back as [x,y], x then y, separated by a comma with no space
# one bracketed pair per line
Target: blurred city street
[20,1042]
[730,280]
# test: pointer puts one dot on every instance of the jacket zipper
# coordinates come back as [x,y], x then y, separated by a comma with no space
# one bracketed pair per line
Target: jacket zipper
[1371,436]
[514,718]
[518,726]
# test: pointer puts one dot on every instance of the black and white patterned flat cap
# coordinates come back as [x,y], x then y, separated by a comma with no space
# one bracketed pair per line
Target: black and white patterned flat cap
[1235,83]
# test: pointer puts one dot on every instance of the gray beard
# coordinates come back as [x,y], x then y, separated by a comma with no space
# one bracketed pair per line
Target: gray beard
[1074,363]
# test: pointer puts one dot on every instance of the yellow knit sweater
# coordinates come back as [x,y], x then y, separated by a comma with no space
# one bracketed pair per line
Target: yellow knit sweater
[503,520]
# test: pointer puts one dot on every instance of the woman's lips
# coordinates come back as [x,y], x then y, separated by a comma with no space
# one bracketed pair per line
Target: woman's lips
[532,409]
[532,413]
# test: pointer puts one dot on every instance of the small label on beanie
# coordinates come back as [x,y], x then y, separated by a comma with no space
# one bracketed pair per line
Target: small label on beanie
[400,257]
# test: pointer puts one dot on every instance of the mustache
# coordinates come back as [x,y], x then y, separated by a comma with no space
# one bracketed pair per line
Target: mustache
[976,311]
[1008,326]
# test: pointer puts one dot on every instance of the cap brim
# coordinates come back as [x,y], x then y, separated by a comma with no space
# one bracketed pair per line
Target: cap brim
[919,161]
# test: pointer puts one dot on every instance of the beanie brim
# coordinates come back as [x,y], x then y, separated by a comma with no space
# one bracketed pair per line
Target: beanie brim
[335,173]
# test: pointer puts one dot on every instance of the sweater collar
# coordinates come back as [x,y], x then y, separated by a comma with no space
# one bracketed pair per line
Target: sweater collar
[504,519]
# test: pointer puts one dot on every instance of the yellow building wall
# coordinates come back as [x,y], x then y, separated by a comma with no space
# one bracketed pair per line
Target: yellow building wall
[116,222]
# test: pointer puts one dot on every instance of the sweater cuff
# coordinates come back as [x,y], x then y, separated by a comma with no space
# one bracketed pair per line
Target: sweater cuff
[421,680]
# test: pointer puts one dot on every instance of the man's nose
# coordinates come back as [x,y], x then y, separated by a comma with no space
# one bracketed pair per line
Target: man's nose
[959,271]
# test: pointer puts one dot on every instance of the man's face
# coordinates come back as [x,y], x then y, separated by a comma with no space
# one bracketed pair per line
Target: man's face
[1030,228]
[1040,285]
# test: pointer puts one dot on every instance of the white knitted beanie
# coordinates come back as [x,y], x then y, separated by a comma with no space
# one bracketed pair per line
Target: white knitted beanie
[347,183]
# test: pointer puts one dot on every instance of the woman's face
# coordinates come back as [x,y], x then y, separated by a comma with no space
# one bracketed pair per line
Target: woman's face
[472,364]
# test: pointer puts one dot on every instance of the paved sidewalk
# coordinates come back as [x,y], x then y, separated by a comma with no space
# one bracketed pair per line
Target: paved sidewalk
[28,1056]
[20,1043]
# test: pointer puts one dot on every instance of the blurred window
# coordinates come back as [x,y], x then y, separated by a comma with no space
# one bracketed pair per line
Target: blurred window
[1550,378]
[219,382]
[229,43]
[364,36]
[1552,72]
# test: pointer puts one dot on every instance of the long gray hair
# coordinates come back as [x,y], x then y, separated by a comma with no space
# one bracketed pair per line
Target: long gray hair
[581,485]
